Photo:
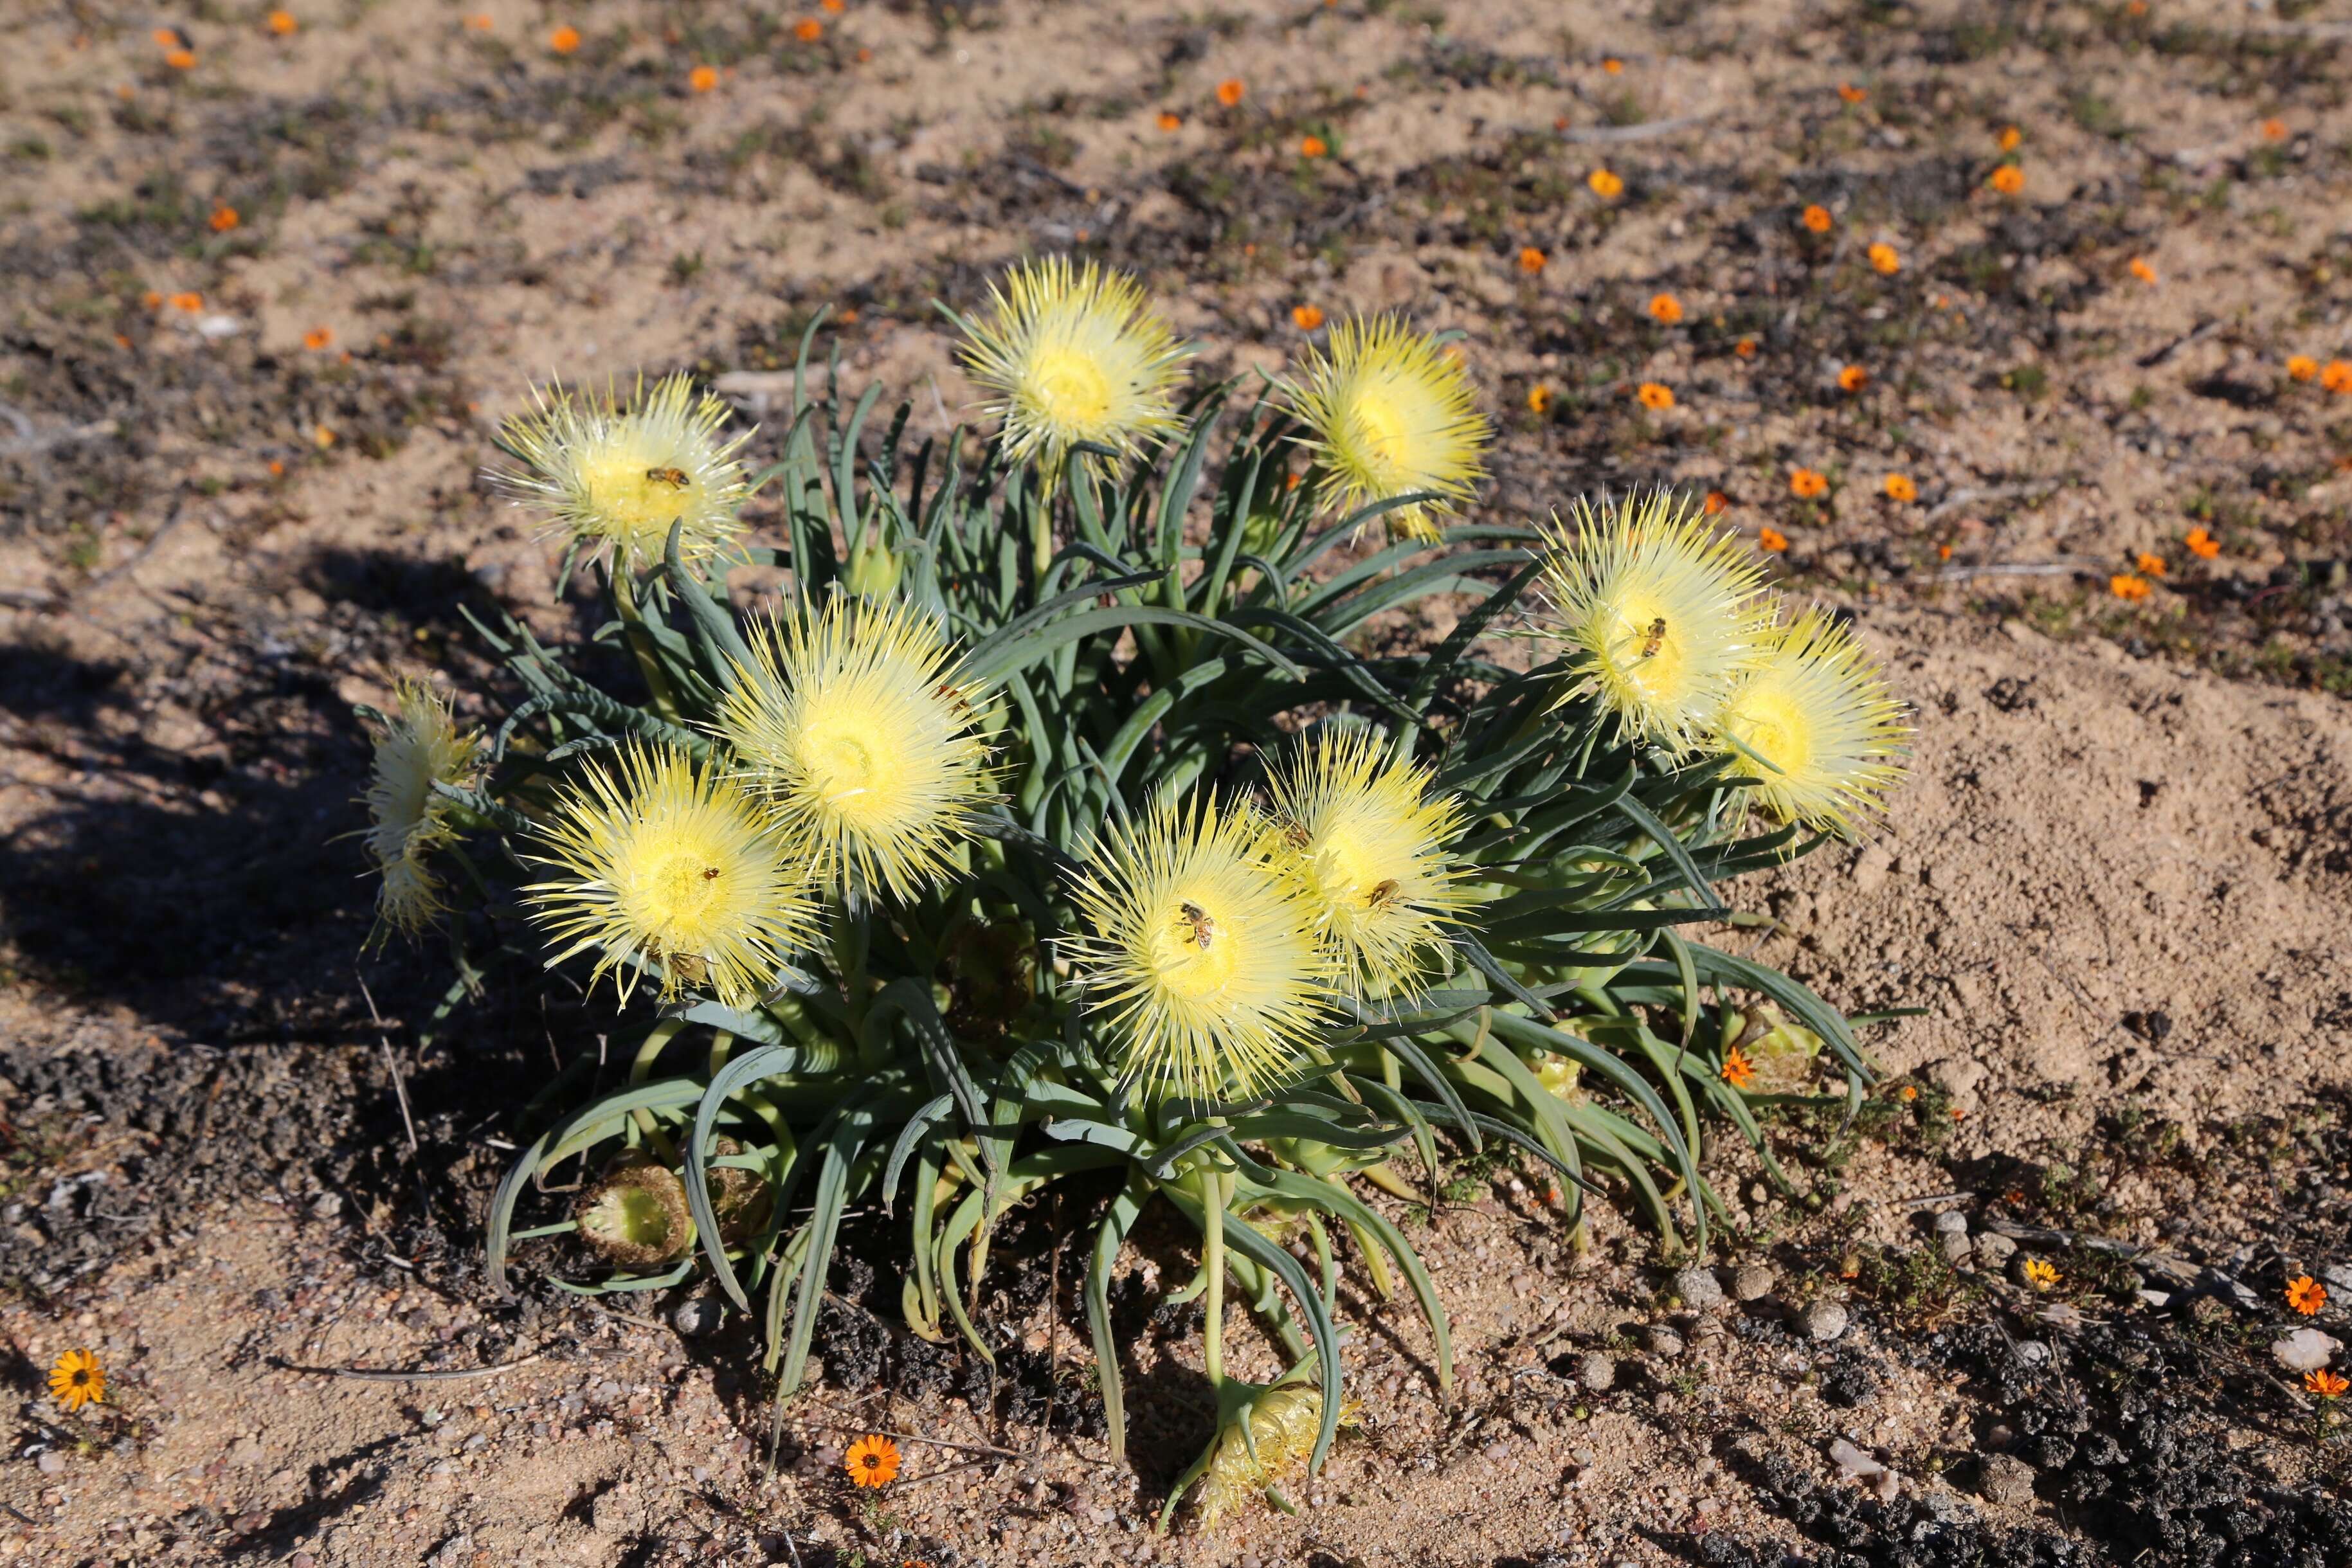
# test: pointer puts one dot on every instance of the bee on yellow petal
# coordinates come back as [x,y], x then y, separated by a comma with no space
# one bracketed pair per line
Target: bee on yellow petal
[1069,354]
[617,476]
[1813,719]
[1366,838]
[1658,611]
[1201,957]
[1391,413]
[857,728]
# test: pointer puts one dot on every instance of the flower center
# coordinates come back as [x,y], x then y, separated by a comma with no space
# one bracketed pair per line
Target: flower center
[1771,722]
[1381,425]
[1194,950]
[854,771]
[1651,653]
[635,493]
[679,897]
[1068,387]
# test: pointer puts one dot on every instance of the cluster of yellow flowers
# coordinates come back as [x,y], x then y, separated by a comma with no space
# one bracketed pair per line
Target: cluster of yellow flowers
[850,755]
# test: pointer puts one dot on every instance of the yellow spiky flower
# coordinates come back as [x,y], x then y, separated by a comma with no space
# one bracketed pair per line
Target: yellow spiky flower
[1661,614]
[1365,839]
[1391,414]
[1259,1452]
[616,477]
[1073,353]
[659,859]
[1202,957]
[858,727]
[1818,727]
[419,747]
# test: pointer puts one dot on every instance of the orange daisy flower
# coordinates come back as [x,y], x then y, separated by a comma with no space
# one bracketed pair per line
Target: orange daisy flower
[1886,259]
[1898,488]
[1655,396]
[2305,1294]
[181,59]
[188,301]
[1715,504]
[78,1380]
[1745,348]
[1540,399]
[317,338]
[1805,484]
[808,29]
[2324,1384]
[872,1461]
[1738,1070]
[1612,64]
[2336,376]
[1850,93]
[1306,318]
[1816,218]
[1531,260]
[2142,270]
[2008,139]
[2129,589]
[1605,185]
[282,23]
[2202,545]
[2273,130]
[1771,540]
[1170,121]
[2302,367]
[2150,565]
[1313,147]
[1851,378]
[1229,92]
[702,79]
[223,219]
[565,39]
[479,22]
[1667,309]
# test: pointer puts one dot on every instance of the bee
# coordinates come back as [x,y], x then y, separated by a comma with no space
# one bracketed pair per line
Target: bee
[710,873]
[690,967]
[1380,895]
[1656,637]
[675,478]
[1203,929]
[1295,834]
[950,693]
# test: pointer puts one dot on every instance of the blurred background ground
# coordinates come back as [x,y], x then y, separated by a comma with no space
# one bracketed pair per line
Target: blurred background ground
[266,289]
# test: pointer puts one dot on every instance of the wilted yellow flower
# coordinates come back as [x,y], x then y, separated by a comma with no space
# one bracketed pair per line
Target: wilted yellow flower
[1282,1423]
[857,726]
[1201,957]
[1661,611]
[1365,839]
[1391,414]
[617,476]
[419,747]
[1072,354]
[1813,717]
[660,860]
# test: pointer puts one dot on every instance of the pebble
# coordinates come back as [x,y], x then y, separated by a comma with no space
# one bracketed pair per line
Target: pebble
[1957,1247]
[51,1462]
[1951,1222]
[1825,1319]
[2032,1351]
[1699,1287]
[2337,1277]
[1663,1341]
[1853,1463]
[2305,1350]
[1994,1247]
[1753,1283]
[695,1315]
[2004,1479]
[1598,1373]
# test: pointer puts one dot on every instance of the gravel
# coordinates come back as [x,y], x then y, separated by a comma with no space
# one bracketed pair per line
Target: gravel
[1598,1373]
[1753,1283]
[1699,1287]
[1824,1319]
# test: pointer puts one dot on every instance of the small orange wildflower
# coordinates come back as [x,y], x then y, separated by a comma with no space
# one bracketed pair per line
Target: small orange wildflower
[1745,348]
[1805,484]
[1772,541]
[1910,1091]
[322,437]
[317,338]
[2202,545]
[2273,130]
[223,219]
[2010,136]
[1851,378]
[152,299]
[1715,504]
[1850,93]
[479,22]
[1943,552]
[282,23]
[2324,1384]
[2302,367]
[835,7]
[1605,185]
[1816,218]
[565,39]
[2305,1294]
[2335,376]
[1665,309]
[1306,318]
[2150,564]
[702,79]
[188,300]
[872,1461]
[1229,92]
[1899,487]
[2008,179]
[1531,260]
[2041,1273]
[808,29]
[1612,64]
[1170,121]
[1886,259]
[1738,1070]
[181,59]
[168,39]
[78,1380]
[277,469]
[1540,399]
[2141,269]
[2129,589]
[1655,396]
[1313,147]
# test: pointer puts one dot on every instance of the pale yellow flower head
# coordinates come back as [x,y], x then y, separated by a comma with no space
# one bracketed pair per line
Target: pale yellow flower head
[1392,412]
[1365,839]
[1068,354]
[1201,957]
[616,477]
[1265,1448]
[660,860]
[1813,723]
[857,726]
[420,747]
[1661,614]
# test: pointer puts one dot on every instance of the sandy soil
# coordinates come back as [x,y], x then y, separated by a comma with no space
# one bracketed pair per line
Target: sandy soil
[2117,881]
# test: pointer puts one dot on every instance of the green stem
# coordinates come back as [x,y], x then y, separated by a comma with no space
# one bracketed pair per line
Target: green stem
[641,643]
[1214,1189]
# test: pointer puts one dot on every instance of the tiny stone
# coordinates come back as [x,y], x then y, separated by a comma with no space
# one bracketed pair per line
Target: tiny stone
[1663,1341]
[1825,1319]
[695,1315]
[1752,1283]
[1699,1287]
[1994,1247]
[2338,1276]
[2032,1351]
[1957,1248]
[1597,1372]
[2004,1481]
[51,1462]
[2305,1350]
[1951,1222]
